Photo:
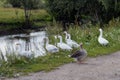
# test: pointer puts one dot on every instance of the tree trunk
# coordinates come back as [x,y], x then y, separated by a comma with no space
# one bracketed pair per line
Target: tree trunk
[27,16]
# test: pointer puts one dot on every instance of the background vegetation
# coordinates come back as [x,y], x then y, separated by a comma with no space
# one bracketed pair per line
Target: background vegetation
[81,18]
[68,11]
[88,36]
[83,11]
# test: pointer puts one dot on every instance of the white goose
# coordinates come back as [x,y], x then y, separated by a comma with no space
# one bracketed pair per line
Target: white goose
[63,45]
[49,47]
[70,42]
[102,40]
[55,40]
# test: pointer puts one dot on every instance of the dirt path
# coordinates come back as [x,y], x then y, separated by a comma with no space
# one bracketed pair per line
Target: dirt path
[100,68]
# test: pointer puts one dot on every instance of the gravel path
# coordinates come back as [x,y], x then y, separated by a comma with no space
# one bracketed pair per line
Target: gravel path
[99,68]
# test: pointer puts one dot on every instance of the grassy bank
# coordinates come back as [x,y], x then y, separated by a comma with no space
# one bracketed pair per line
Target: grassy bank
[24,65]
[13,18]
[88,36]
[13,15]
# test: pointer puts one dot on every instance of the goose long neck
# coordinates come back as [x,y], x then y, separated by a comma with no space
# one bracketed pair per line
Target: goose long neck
[60,39]
[69,36]
[81,47]
[101,33]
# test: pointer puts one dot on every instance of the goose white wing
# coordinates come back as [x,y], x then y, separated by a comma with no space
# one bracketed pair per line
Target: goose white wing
[64,46]
[52,48]
[72,43]
[27,54]
[103,41]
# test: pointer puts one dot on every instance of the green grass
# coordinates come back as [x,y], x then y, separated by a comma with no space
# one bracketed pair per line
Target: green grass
[13,15]
[88,36]
[8,15]
[44,63]
[2,3]
[13,18]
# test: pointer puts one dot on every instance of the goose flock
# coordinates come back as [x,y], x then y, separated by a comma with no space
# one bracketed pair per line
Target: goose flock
[38,50]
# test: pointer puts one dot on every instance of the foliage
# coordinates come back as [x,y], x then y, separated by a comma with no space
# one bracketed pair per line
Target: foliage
[65,11]
[87,35]
[24,65]
[33,4]
[27,6]
[8,15]
[71,11]
[112,8]
[3,3]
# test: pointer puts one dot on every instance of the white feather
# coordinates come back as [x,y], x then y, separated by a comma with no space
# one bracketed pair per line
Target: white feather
[50,48]
[102,40]
[70,42]
[63,45]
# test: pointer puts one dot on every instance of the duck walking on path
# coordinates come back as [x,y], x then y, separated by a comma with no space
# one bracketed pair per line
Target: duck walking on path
[80,55]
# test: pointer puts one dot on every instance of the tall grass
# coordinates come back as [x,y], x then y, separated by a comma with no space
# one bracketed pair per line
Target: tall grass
[24,65]
[89,36]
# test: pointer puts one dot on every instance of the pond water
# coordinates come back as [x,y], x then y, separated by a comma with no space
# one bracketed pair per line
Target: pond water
[23,44]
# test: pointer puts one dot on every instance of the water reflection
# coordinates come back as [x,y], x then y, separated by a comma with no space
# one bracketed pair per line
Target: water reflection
[23,44]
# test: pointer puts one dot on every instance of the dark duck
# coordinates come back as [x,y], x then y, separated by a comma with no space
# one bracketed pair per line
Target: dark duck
[80,55]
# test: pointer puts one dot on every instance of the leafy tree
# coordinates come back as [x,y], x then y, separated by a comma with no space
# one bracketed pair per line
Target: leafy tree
[73,11]
[3,3]
[69,11]
[112,8]
[33,4]
[65,11]
[15,3]
[27,5]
